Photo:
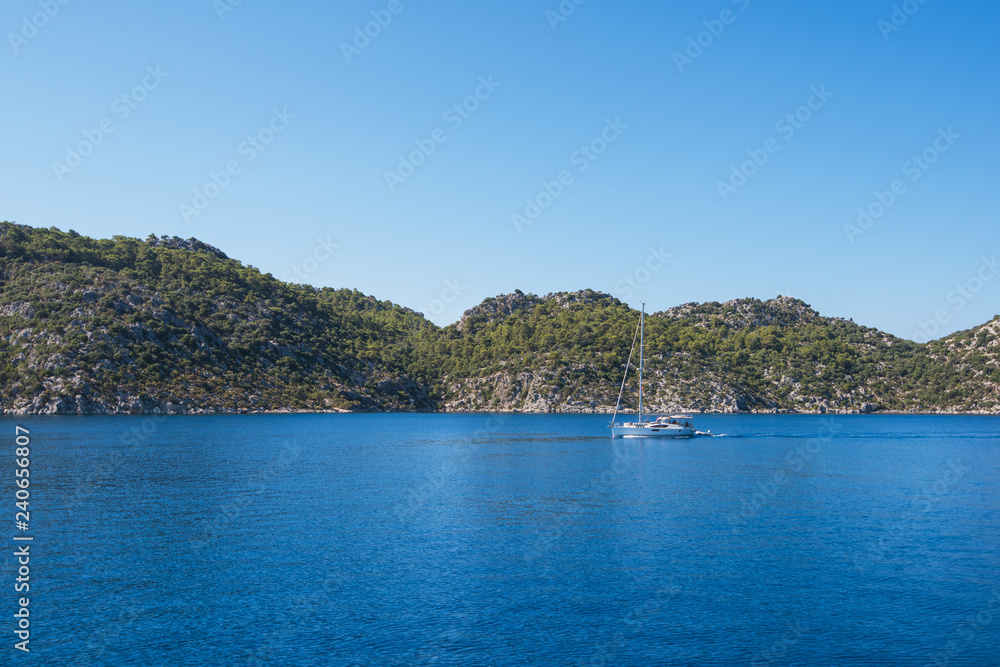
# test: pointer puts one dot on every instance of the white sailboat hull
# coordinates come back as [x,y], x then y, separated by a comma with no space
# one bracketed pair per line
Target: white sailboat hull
[652,430]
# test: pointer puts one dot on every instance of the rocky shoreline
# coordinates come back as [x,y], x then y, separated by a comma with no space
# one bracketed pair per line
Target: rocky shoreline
[73,408]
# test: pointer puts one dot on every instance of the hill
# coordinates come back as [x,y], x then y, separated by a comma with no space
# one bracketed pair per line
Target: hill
[175,326]
[167,325]
[566,352]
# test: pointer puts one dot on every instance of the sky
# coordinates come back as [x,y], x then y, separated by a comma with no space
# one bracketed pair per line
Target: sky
[436,154]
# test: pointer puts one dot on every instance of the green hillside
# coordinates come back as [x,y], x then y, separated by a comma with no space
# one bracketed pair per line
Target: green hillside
[568,351]
[131,326]
[173,325]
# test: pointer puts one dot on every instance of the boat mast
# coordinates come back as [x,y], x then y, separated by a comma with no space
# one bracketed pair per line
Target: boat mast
[642,334]
[628,364]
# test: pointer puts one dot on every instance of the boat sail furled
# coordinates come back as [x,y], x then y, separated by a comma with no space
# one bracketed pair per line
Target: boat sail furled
[674,426]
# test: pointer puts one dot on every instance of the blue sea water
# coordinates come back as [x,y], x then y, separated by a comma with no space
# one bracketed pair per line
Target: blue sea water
[409,539]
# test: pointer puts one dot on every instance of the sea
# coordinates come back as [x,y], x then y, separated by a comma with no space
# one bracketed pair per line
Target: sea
[498,539]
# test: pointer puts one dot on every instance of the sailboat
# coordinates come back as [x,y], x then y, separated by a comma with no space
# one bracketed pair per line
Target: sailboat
[674,426]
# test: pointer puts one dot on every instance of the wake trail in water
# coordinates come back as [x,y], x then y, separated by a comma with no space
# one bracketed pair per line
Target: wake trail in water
[855,436]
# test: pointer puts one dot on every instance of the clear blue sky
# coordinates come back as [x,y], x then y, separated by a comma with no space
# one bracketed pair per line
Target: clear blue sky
[447,229]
